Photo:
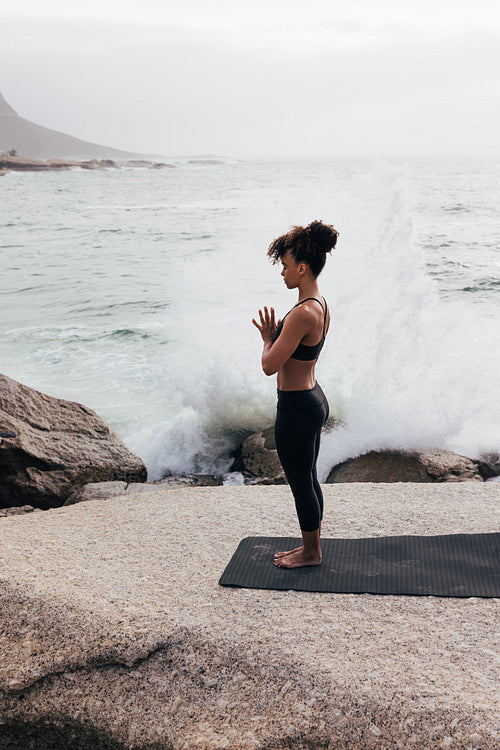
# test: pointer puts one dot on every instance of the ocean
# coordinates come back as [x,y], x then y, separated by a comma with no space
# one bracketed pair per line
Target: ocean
[132,291]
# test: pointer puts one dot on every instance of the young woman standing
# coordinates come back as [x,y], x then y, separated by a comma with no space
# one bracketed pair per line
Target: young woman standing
[291,348]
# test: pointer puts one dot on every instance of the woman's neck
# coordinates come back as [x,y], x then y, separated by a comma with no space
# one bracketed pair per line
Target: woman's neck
[309,288]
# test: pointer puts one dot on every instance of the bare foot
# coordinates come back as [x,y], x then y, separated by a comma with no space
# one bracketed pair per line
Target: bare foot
[298,559]
[288,552]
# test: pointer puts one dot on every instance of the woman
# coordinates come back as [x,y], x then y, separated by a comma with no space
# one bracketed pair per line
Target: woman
[291,348]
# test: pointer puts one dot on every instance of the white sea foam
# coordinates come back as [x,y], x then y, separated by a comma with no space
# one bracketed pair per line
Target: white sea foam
[151,325]
[402,368]
[406,369]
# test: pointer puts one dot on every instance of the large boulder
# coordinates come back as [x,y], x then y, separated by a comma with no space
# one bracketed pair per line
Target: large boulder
[50,447]
[413,466]
[257,459]
[492,458]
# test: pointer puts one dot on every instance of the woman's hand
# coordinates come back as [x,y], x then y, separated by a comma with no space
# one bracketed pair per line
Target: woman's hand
[267,325]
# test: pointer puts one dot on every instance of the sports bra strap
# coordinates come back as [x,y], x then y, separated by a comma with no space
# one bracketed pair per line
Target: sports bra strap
[324,316]
[308,299]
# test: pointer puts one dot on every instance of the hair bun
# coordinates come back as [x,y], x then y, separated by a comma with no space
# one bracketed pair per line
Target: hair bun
[309,244]
[322,235]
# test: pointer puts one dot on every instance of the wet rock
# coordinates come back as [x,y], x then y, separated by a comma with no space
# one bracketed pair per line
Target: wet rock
[257,459]
[57,446]
[109,164]
[190,480]
[63,163]
[137,163]
[414,466]
[148,164]
[162,165]
[91,164]
[493,459]
[19,164]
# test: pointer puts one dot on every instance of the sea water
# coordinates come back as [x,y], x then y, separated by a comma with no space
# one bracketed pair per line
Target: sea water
[132,291]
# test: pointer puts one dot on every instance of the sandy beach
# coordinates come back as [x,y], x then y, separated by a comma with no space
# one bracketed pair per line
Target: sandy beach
[114,628]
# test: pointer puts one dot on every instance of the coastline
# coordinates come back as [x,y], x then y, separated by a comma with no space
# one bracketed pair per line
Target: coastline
[22,164]
[125,628]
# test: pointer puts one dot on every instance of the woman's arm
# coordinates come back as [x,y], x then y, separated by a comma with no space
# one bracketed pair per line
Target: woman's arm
[295,327]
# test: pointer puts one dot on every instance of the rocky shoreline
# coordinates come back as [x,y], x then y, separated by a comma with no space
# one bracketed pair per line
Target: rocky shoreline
[55,452]
[257,460]
[20,164]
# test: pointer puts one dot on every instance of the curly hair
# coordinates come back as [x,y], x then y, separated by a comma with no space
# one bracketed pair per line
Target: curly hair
[308,244]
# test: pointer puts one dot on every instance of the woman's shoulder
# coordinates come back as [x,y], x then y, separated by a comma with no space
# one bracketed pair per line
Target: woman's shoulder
[305,313]
[312,307]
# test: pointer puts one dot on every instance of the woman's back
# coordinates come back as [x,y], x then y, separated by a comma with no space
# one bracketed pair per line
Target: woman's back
[297,373]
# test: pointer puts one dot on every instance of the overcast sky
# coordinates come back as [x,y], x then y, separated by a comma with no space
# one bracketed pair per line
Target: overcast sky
[260,78]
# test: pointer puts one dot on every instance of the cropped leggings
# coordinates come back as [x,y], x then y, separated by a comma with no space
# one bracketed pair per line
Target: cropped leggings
[299,418]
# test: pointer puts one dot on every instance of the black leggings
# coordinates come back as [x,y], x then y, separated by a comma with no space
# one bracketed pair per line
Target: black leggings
[299,419]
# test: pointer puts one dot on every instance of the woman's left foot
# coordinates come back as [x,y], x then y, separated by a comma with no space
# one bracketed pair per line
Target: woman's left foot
[298,559]
[288,552]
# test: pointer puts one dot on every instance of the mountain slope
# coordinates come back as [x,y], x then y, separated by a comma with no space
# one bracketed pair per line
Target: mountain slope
[37,142]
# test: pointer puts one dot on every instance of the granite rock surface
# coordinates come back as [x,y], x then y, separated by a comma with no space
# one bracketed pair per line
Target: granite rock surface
[105,490]
[114,632]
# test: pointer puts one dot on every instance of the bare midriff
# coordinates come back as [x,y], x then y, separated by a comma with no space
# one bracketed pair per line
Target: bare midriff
[296,375]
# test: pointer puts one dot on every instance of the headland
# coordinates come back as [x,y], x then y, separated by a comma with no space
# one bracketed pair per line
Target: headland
[34,142]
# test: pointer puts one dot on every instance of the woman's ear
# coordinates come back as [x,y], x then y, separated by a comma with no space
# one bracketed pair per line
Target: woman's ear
[302,268]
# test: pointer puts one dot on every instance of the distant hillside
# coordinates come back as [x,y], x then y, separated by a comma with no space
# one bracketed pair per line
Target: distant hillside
[36,142]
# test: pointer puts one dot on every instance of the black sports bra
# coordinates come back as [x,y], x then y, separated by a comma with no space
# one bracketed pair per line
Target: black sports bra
[304,352]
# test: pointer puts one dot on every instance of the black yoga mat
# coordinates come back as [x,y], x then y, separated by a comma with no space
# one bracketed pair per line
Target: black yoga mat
[450,565]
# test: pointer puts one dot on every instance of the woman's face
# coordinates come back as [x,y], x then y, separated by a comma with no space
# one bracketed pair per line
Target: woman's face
[290,270]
